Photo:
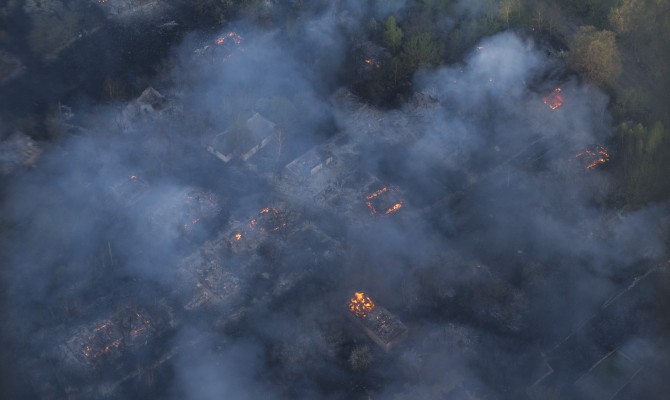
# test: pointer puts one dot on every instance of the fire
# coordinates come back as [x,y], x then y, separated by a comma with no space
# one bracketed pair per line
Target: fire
[394,209]
[361,304]
[238,236]
[229,37]
[197,206]
[377,193]
[372,62]
[595,156]
[554,99]
[99,334]
[376,201]
[269,219]
[108,336]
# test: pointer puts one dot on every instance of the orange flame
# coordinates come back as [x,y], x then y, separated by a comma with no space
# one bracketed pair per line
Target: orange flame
[272,220]
[554,99]
[372,62]
[238,236]
[595,156]
[391,210]
[377,193]
[394,209]
[230,36]
[105,332]
[361,304]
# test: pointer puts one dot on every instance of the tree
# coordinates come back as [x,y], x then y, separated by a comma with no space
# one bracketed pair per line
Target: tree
[505,10]
[392,34]
[644,160]
[595,55]
[419,49]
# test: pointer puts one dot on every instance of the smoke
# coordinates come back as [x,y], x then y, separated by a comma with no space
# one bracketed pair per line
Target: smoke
[505,245]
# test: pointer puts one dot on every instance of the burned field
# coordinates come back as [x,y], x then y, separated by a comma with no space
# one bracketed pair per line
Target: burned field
[219,244]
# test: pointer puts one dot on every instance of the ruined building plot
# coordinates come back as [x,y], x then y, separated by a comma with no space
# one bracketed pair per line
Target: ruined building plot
[128,191]
[108,340]
[186,210]
[240,142]
[205,280]
[270,223]
[377,322]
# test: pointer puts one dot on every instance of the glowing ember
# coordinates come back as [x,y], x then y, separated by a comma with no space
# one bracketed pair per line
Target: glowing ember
[230,37]
[386,200]
[108,336]
[394,209]
[593,157]
[238,236]
[372,62]
[361,304]
[554,99]
[268,220]
[377,193]
[198,205]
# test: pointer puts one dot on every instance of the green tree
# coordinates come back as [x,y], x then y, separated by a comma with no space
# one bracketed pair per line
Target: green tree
[392,34]
[418,50]
[595,55]
[644,161]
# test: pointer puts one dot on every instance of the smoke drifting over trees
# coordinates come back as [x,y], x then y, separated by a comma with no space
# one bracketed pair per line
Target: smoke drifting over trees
[201,239]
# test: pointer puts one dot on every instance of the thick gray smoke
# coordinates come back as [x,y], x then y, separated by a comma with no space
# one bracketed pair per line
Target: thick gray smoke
[504,248]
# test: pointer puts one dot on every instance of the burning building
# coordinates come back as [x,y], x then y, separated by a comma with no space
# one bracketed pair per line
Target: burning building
[379,324]
[594,156]
[554,99]
[248,236]
[107,341]
[268,220]
[199,205]
[384,201]
[241,142]
[219,49]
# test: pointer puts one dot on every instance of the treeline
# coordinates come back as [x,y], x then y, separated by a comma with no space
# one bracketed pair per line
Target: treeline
[626,50]
[619,45]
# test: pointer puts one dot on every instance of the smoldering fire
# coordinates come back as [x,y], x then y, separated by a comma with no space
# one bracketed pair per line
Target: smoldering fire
[451,209]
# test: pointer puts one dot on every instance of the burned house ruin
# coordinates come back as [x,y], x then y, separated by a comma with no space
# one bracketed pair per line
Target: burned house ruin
[379,324]
[241,142]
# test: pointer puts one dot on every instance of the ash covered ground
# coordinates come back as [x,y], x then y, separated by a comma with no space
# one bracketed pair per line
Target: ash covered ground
[204,239]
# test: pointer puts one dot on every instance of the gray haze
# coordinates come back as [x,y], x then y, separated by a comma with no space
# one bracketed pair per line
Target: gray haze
[505,245]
